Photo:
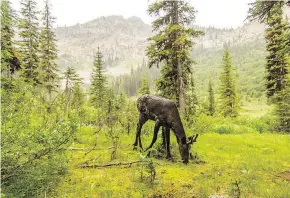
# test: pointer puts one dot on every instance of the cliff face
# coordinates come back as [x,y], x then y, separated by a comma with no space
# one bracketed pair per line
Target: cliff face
[122,42]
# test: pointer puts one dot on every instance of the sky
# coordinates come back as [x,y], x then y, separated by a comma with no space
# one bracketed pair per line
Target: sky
[217,13]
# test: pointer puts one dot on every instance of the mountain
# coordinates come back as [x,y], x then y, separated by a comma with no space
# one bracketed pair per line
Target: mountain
[123,43]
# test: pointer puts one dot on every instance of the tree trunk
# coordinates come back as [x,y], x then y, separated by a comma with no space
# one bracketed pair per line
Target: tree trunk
[181,91]
[180,84]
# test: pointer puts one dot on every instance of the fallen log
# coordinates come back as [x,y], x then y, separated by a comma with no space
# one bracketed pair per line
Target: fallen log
[110,164]
[85,165]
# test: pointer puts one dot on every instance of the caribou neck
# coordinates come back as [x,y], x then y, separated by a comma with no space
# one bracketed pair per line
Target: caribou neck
[179,132]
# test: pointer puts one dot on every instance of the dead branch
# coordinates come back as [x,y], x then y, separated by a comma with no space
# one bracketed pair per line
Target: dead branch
[116,164]
[91,149]
[110,164]
[96,132]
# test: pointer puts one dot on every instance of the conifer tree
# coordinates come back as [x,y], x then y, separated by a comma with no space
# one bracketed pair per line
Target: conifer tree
[192,101]
[171,46]
[111,95]
[48,51]
[228,95]
[211,102]
[78,97]
[121,100]
[72,79]
[28,27]
[283,103]
[263,10]
[144,89]
[287,50]
[9,59]
[276,46]
[99,81]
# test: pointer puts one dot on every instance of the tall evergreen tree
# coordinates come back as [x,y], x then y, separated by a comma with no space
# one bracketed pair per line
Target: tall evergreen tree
[192,101]
[48,51]
[99,81]
[263,10]
[228,95]
[287,50]
[9,59]
[171,46]
[78,97]
[28,26]
[276,46]
[144,89]
[283,103]
[211,102]
[71,79]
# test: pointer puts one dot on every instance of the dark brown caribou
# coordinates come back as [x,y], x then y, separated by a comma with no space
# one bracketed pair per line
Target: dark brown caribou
[165,113]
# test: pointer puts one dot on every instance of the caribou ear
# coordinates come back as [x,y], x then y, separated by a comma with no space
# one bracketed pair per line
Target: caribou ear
[192,139]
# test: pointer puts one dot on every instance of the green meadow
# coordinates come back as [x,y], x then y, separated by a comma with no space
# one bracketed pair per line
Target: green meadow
[232,158]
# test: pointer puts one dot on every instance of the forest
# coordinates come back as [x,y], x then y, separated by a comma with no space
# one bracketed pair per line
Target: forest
[62,138]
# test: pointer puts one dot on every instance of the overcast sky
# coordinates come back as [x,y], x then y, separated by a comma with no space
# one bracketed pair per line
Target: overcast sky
[217,13]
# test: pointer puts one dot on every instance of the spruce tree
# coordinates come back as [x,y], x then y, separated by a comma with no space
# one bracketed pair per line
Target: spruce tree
[48,51]
[171,46]
[28,27]
[287,49]
[144,89]
[99,81]
[276,46]
[263,10]
[9,59]
[71,79]
[211,102]
[228,95]
[283,103]
[78,97]
[192,101]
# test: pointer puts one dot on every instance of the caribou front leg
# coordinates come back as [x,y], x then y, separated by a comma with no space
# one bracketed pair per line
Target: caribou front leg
[156,129]
[142,120]
[167,142]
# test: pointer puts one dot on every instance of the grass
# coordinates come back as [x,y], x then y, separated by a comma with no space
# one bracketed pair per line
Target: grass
[245,165]
[255,108]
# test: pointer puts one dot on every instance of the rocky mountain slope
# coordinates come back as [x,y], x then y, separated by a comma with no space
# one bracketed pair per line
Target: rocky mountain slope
[122,42]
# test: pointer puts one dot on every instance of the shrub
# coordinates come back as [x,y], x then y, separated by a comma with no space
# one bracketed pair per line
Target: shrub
[35,136]
[224,129]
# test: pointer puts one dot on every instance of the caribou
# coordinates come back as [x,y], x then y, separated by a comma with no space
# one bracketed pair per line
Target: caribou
[165,113]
